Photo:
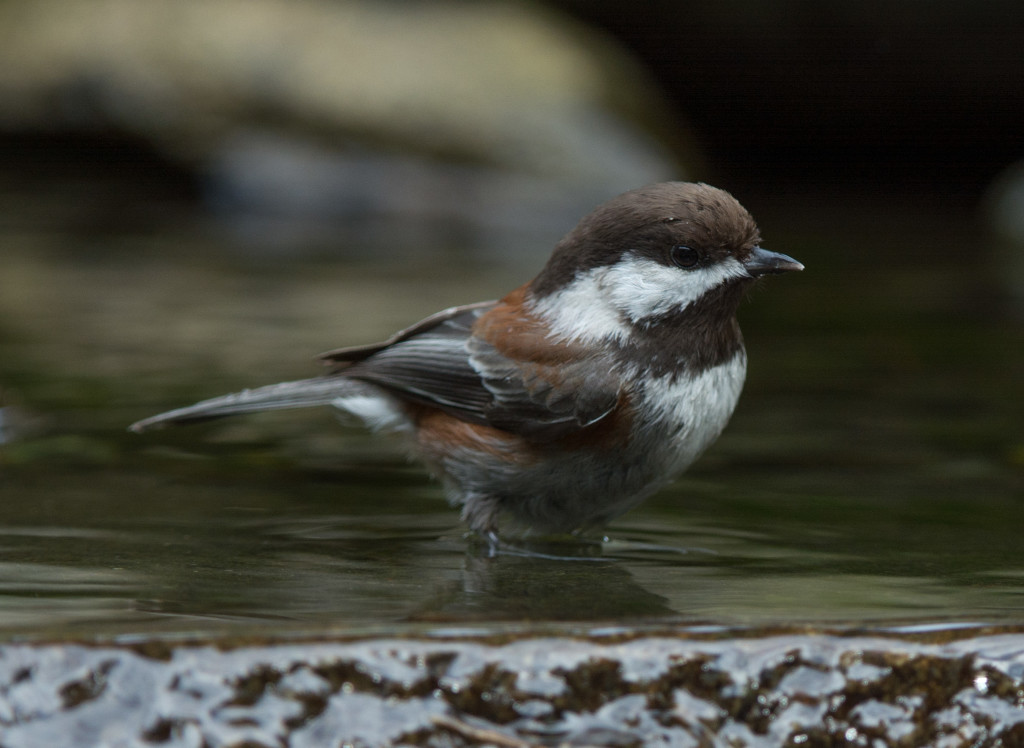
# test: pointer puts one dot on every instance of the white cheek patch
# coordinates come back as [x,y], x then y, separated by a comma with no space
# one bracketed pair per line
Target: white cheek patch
[604,303]
[583,311]
[644,288]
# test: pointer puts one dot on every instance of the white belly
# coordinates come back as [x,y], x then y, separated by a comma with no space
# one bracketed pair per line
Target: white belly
[693,410]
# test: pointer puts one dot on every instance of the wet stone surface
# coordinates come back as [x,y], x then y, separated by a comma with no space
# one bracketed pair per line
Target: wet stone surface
[679,689]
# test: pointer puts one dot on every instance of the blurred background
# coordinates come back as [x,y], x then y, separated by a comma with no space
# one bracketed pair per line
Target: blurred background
[200,195]
[337,126]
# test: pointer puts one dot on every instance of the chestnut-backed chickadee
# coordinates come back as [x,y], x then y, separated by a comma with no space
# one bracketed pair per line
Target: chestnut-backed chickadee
[576,396]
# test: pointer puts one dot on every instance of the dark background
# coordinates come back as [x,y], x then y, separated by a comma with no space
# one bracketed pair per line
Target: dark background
[909,96]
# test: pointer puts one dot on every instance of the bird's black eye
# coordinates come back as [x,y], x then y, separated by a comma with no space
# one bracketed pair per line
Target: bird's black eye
[685,257]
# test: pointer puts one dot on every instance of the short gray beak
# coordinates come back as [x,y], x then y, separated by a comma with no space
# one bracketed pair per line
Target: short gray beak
[762,262]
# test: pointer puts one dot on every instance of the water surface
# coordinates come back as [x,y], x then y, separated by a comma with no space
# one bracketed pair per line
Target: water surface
[872,473]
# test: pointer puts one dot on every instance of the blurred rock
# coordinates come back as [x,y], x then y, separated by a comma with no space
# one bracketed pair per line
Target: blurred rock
[496,118]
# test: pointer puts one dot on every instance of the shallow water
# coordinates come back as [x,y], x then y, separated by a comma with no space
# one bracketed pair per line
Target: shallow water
[873,471]
[873,475]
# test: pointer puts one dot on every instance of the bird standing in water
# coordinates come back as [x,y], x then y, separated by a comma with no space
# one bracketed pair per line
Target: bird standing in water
[577,395]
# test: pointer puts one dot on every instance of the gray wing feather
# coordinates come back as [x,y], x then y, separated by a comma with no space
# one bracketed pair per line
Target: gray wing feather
[428,363]
[431,370]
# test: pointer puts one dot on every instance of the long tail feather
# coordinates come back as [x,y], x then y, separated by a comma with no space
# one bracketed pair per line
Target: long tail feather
[303,393]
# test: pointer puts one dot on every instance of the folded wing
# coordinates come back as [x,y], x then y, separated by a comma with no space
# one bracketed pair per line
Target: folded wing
[456,361]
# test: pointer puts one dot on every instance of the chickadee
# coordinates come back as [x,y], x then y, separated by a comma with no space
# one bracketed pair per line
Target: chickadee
[579,394]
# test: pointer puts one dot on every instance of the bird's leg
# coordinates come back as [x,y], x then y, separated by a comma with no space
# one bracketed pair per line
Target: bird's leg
[480,512]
